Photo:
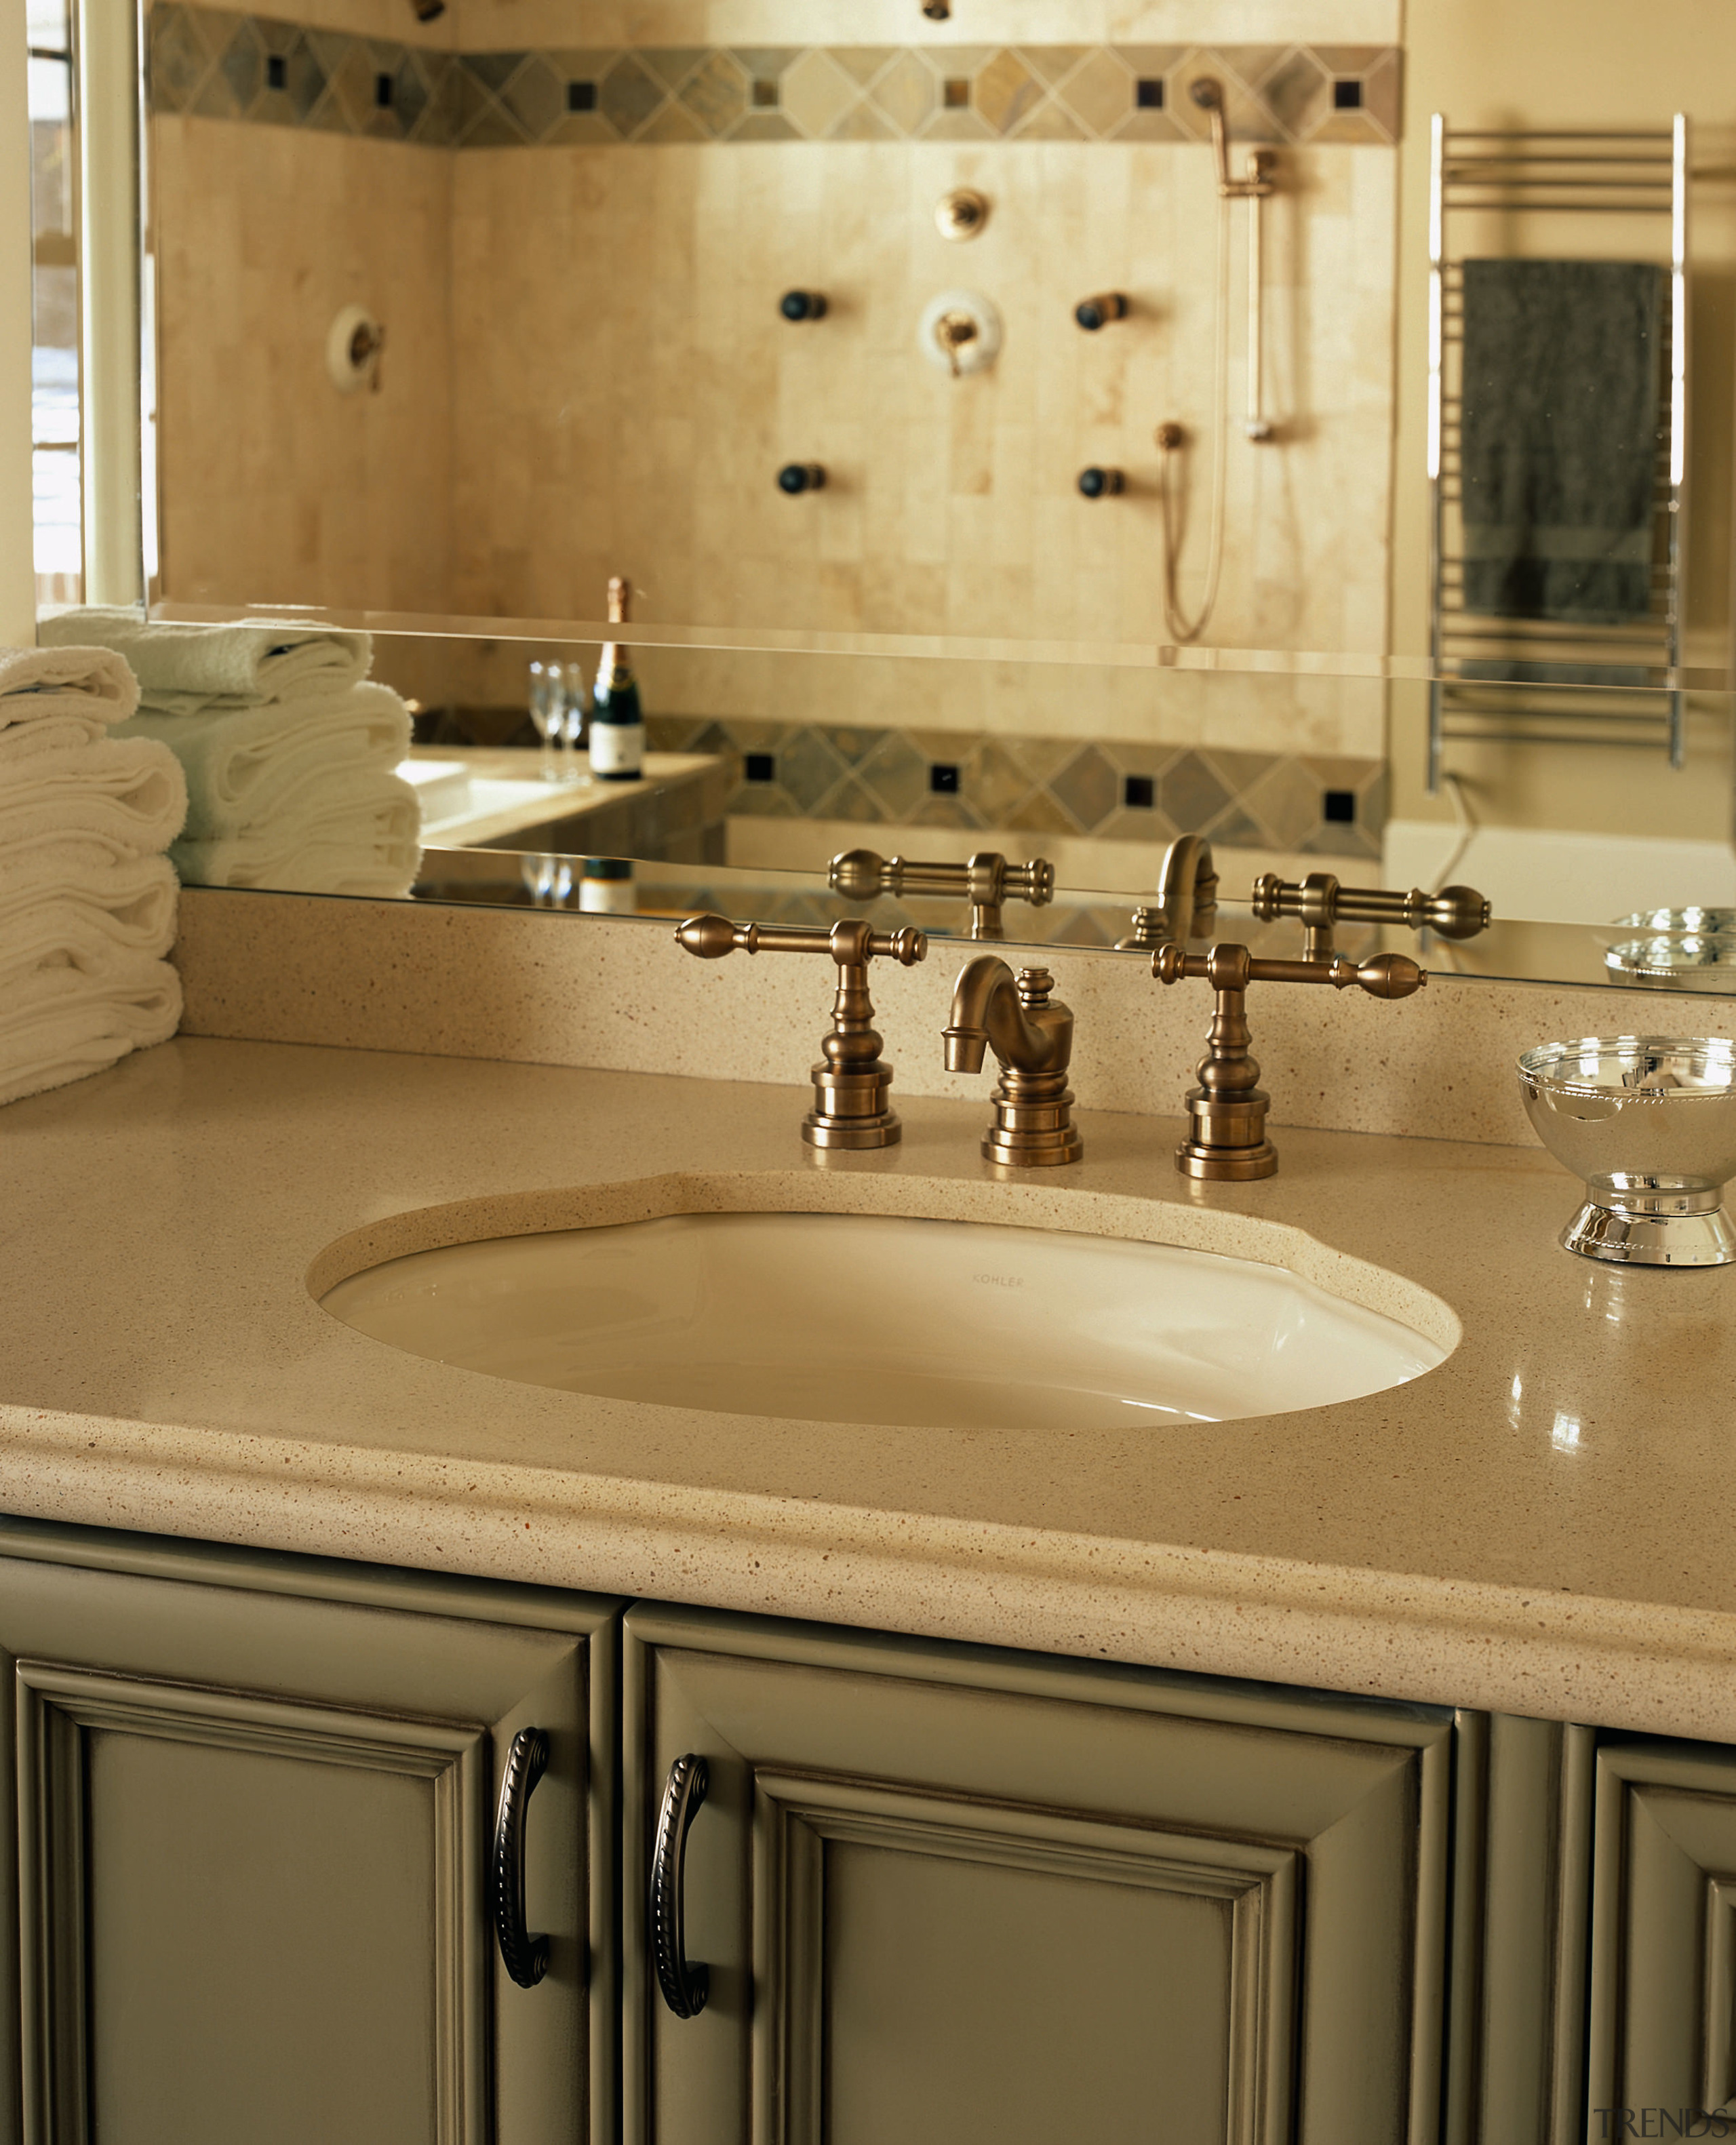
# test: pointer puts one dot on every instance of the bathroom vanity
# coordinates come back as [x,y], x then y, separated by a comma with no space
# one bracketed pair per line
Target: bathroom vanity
[1359,1772]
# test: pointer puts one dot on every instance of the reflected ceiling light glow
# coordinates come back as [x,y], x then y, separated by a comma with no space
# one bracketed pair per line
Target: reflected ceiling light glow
[1566,1435]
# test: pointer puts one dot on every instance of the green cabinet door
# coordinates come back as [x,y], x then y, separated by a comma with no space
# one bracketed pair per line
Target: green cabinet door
[1663,1940]
[947,1895]
[253,1798]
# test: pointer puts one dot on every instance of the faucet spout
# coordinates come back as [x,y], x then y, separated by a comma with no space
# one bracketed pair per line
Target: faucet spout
[989,1008]
[1032,1040]
[1187,904]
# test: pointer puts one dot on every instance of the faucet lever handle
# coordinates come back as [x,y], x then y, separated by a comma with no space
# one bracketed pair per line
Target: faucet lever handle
[709,938]
[1321,901]
[986,880]
[851,1079]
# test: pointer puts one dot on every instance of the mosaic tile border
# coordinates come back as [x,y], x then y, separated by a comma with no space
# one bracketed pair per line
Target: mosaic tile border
[215,64]
[1111,790]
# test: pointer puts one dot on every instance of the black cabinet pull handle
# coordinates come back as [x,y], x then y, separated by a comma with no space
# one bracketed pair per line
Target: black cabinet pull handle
[525,1957]
[802,305]
[796,477]
[685,1987]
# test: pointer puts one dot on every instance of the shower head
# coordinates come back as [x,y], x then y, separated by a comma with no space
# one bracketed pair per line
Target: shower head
[1207,92]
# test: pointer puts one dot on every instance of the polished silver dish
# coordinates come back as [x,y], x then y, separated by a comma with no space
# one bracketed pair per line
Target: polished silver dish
[1683,961]
[1650,1123]
[1699,923]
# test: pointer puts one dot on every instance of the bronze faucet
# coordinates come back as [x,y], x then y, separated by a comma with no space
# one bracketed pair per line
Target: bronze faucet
[1456,912]
[1227,1140]
[1032,1040]
[988,881]
[850,1081]
[1187,904]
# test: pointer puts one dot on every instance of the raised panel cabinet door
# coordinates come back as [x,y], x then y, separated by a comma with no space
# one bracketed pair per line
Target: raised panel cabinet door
[944,1894]
[1663,2024]
[253,1800]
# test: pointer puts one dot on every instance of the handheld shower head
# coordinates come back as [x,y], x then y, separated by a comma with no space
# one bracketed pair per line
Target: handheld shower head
[1207,92]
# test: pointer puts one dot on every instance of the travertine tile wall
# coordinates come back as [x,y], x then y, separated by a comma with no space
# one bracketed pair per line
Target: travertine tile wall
[640,407]
[275,486]
[586,372]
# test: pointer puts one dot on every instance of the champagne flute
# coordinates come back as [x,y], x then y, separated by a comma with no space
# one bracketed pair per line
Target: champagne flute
[548,711]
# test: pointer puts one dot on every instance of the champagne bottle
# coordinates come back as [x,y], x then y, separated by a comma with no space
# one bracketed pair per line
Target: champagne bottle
[617,726]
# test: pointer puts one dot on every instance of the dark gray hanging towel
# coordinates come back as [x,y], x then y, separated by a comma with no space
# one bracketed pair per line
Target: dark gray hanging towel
[1561,417]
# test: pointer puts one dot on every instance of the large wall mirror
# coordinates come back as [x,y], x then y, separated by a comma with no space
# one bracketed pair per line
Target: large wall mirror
[1045,431]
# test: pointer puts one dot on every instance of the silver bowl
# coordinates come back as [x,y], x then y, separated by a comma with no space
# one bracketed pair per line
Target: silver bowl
[1650,1123]
[1678,949]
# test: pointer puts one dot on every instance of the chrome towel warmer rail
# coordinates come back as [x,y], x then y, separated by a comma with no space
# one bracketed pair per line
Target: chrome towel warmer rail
[1484,683]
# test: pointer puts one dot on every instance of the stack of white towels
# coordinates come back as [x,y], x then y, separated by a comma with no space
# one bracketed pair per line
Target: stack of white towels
[86,895]
[288,748]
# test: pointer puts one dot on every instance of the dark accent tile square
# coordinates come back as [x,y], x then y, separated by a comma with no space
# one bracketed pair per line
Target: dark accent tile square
[385,93]
[1346,96]
[581,97]
[1148,92]
[758,767]
[1338,807]
[277,71]
[943,777]
[1139,792]
[955,92]
[764,94]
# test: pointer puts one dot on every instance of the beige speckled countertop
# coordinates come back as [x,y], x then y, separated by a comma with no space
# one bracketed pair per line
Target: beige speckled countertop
[1540,1525]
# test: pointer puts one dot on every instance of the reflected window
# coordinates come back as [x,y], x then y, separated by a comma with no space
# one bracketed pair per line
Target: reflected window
[54,308]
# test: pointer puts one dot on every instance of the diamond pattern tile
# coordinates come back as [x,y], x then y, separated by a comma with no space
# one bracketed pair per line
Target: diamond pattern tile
[672,64]
[244,66]
[863,63]
[536,97]
[1089,788]
[1100,91]
[816,93]
[1191,794]
[1287,800]
[907,93]
[897,774]
[1006,91]
[716,91]
[809,770]
[628,95]
[211,61]
[178,58]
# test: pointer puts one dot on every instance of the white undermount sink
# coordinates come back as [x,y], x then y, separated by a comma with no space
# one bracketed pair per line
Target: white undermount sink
[887,1318]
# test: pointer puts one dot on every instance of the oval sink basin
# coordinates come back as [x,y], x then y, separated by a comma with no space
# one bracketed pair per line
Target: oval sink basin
[887,1319]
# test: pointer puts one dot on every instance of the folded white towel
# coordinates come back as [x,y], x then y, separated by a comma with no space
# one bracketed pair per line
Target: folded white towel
[51,733]
[249,767]
[361,836]
[92,685]
[66,1021]
[183,668]
[128,793]
[131,901]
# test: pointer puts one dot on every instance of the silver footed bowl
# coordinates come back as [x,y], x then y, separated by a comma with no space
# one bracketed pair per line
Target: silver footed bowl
[1681,949]
[1650,1123]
